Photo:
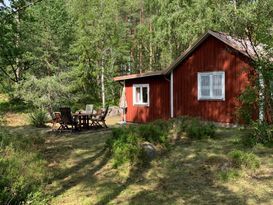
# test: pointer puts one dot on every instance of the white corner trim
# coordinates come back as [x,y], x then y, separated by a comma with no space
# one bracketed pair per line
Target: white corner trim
[171,91]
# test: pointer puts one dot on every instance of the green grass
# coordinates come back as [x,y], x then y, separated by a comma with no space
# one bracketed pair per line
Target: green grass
[82,173]
[191,172]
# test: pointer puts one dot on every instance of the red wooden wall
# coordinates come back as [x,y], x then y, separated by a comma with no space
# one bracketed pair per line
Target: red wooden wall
[211,55]
[159,100]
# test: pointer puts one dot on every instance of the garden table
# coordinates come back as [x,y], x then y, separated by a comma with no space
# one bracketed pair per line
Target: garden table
[83,118]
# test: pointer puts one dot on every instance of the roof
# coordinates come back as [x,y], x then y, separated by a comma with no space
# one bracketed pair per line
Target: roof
[243,46]
[139,75]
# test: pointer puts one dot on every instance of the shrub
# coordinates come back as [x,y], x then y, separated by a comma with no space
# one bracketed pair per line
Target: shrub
[240,159]
[258,133]
[22,170]
[38,118]
[124,145]
[126,141]
[21,174]
[126,151]
[246,110]
[197,130]
[153,133]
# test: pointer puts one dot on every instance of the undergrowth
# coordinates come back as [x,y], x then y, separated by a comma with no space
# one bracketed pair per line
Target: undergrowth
[38,118]
[126,144]
[22,169]
[239,162]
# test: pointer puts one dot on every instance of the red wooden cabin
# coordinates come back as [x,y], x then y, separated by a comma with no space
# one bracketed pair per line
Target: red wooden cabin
[205,81]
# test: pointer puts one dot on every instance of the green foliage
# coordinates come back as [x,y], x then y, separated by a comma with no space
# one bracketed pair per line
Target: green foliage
[14,105]
[244,160]
[46,93]
[39,118]
[124,145]
[248,101]
[260,132]
[94,40]
[22,169]
[197,129]
[126,141]
[156,132]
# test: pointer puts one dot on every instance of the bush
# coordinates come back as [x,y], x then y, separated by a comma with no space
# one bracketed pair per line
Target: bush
[154,133]
[38,118]
[126,141]
[258,133]
[22,173]
[124,145]
[240,159]
[22,170]
[248,100]
[198,130]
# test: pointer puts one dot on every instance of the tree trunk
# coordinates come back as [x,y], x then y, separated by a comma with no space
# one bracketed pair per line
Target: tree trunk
[261,98]
[17,40]
[151,48]
[102,84]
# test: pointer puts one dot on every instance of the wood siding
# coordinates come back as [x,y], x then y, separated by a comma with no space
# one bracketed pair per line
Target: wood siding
[211,55]
[159,94]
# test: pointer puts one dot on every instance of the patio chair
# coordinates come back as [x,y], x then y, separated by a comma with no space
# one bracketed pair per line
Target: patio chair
[67,119]
[99,120]
[56,118]
[89,108]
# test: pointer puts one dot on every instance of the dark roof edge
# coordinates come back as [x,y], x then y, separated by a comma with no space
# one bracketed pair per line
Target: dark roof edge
[139,75]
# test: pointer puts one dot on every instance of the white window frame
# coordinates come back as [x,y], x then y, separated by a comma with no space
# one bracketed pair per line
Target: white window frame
[141,86]
[211,74]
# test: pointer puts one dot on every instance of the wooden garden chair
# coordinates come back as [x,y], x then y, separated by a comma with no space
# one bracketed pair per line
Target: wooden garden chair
[67,120]
[56,118]
[99,120]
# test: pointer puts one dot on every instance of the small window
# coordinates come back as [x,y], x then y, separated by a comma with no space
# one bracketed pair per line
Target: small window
[211,86]
[141,94]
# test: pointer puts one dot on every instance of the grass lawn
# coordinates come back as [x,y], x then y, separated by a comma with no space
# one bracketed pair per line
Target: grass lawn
[81,172]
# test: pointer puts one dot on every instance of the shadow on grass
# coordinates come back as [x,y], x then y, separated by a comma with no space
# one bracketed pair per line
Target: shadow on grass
[188,180]
[183,180]
[135,174]
[81,175]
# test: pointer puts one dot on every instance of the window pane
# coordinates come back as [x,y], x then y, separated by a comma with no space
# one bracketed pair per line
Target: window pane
[205,86]
[217,92]
[205,92]
[205,80]
[137,95]
[144,94]
[217,87]
[217,80]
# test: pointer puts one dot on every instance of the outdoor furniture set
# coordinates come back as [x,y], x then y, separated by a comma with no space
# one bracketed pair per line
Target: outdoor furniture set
[88,119]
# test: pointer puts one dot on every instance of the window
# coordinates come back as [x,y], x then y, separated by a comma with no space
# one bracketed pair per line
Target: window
[141,94]
[211,86]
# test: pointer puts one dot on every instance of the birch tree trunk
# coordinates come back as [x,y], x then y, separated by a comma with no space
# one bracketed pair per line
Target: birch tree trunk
[17,40]
[102,84]
[151,48]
